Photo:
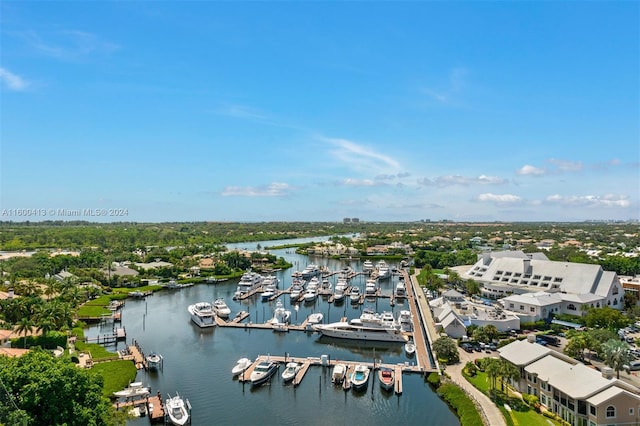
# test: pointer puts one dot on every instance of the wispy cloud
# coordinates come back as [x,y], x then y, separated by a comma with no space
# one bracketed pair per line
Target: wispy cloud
[392,176]
[446,95]
[12,81]
[240,111]
[531,171]
[68,44]
[607,200]
[275,189]
[449,180]
[358,182]
[566,166]
[499,198]
[360,157]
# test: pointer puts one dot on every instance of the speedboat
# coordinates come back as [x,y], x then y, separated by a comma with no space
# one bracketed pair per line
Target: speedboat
[354,295]
[154,361]
[202,314]
[360,377]
[134,389]
[339,373]
[290,371]
[410,347]
[313,319]
[263,372]
[387,378]
[177,410]
[241,366]
[220,308]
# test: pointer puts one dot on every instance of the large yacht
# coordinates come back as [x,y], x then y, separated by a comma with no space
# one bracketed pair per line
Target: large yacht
[249,282]
[383,270]
[370,326]
[202,314]
[310,271]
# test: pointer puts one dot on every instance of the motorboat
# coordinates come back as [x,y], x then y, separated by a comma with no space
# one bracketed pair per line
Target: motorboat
[384,271]
[313,319]
[371,287]
[370,326]
[263,372]
[202,314]
[176,408]
[401,289]
[406,320]
[326,285]
[339,373]
[269,287]
[410,347]
[367,266]
[310,295]
[220,308]
[268,292]
[387,378]
[354,295]
[249,282]
[297,289]
[290,371]
[360,377]
[154,361]
[135,389]
[311,271]
[241,366]
[280,318]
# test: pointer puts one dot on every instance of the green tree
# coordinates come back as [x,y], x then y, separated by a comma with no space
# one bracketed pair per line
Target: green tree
[605,318]
[446,348]
[576,346]
[493,368]
[53,391]
[472,287]
[24,327]
[616,354]
[508,373]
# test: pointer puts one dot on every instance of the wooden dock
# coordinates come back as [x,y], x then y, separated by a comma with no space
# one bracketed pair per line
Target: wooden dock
[301,372]
[138,357]
[153,407]
[398,377]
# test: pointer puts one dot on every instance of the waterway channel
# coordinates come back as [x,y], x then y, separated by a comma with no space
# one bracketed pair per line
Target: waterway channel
[198,362]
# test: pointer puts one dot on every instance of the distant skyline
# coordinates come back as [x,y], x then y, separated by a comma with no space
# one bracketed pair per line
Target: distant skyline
[317,111]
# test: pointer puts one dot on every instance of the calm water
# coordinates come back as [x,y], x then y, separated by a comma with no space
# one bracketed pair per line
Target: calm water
[198,362]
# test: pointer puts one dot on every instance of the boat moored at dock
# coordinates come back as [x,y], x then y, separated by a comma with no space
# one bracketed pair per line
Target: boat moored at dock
[202,314]
[370,326]
[177,410]
[241,366]
[220,308]
[263,372]
[360,377]
[339,373]
[290,371]
[386,377]
[248,282]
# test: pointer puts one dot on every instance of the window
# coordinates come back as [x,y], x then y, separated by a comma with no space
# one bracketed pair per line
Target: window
[615,290]
[571,307]
[517,274]
[631,411]
[508,274]
[532,309]
[582,407]
[611,412]
[511,305]
[592,410]
[557,280]
[543,399]
[547,278]
[499,272]
[525,282]
[536,277]
[522,307]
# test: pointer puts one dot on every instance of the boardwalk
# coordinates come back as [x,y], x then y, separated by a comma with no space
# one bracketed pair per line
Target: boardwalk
[422,336]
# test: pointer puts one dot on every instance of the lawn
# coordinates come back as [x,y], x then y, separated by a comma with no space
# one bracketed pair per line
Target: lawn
[116,374]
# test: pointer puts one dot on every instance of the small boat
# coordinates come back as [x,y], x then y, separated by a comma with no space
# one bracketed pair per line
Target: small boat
[339,373]
[154,361]
[263,372]
[354,295]
[134,389]
[220,308]
[177,410]
[387,378]
[410,347]
[241,366]
[290,371]
[314,319]
[360,377]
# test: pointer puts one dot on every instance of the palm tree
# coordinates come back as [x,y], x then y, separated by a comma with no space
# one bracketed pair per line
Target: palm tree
[616,354]
[508,372]
[24,326]
[493,369]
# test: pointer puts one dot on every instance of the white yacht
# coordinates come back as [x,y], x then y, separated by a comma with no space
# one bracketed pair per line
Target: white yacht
[360,376]
[297,288]
[339,373]
[401,289]
[406,320]
[154,361]
[310,295]
[248,282]
[202,314]
[280,318]
[311,271]
[354,295]
[367,266]
[410,347]
[371,287]
[370,326]
[134,389]
[220,308]
[383,270]
[269,287]
[241,366]
[338,292]
[263,371]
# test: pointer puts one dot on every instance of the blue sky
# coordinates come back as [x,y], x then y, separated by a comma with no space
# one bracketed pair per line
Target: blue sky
[315,111]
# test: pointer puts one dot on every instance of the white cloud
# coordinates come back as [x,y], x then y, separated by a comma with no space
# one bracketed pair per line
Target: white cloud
[566,166]
[359,182]
[360,157]
[531,170]
[240,111]
[69,44]
[12,81]
[272,190]
[607,200]
[449,180]
[499,198]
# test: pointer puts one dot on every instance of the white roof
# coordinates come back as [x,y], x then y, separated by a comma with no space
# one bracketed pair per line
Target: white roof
[522,352]
[578,381]
[539,298]
[606,395]
[579,298]
[547,367]
[449,319]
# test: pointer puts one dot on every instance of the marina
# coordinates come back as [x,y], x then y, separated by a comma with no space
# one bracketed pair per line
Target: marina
[195,358]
